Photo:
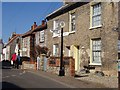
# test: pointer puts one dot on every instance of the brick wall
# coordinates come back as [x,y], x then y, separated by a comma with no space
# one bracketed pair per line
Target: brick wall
[54,65]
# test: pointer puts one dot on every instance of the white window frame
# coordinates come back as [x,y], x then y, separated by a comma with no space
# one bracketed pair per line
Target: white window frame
[95,14]
[37,38]
[95,47]
[56,28]
[118,46]
[42,36]
[73,22]
[55,49]
[72,17]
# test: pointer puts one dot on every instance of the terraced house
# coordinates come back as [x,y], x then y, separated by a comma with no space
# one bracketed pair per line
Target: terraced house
[91,34]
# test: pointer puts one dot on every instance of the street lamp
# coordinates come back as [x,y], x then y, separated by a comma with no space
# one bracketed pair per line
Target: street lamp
[62,70]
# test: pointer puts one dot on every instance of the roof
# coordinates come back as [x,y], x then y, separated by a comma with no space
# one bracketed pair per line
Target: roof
[27,33]
[40,28]
[12,39]
[64,9]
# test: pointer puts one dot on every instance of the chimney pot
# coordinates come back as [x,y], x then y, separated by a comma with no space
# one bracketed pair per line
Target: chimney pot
[35,23]
[43,22]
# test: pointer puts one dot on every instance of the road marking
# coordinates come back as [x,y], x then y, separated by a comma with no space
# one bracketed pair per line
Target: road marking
[13,75]
[7,76]
[20,73]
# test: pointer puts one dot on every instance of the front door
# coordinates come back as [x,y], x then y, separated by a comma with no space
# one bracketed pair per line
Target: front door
[75,55]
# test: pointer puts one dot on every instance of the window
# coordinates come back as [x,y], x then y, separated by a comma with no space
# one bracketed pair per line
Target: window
[96,15]
[56,27]
[37,38]
[55,50]
[42,36]
[118,45]
[72,21]
[118,49]
[96,51]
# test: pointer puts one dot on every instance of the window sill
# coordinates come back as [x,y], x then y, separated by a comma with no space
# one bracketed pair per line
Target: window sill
[55,36]
[95,27]
[72,32]
[96,64]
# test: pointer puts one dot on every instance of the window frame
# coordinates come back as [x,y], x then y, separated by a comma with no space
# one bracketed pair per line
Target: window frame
[73,22]
[95,49]
[95,15]
[42,36]
[56,29]
[55,49]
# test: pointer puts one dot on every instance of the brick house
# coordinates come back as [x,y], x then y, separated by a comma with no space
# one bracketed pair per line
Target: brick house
[90,34]
[11,45]
[28,43]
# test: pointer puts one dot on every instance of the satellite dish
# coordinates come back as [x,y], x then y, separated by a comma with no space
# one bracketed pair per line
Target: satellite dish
[62,24]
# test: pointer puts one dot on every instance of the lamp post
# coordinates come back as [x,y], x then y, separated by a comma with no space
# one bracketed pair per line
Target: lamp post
[62,70]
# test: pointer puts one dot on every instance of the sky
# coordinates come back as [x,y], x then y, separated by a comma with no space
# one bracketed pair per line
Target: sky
[19,16]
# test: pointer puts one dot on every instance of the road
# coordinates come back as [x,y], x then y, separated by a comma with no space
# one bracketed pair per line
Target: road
[13,78]
[16,78]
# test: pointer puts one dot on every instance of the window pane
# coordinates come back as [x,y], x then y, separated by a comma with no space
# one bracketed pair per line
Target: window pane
[73,22]
[96,17]
[96,51]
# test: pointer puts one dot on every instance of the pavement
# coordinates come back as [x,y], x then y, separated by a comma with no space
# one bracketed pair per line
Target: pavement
[107,81]
[78,82]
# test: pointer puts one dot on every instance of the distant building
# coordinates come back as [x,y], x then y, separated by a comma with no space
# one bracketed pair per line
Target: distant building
[1,47]
[10,47]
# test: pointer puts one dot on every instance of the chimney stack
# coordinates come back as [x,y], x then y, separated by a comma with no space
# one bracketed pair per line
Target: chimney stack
[43,22]
[33,26]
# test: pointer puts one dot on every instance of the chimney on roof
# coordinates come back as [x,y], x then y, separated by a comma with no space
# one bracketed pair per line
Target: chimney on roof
[31,27]
[34,26]
[13,34]
[43,22]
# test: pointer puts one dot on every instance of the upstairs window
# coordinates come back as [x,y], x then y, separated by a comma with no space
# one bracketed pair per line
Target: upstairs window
[42,36]
[73,22]
[118,45]
[96,15]
[56,27]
